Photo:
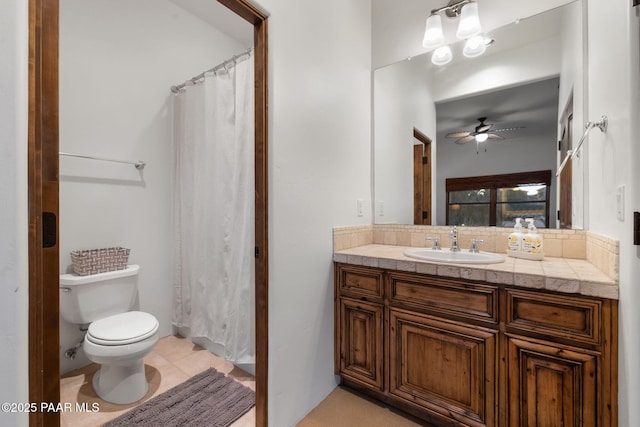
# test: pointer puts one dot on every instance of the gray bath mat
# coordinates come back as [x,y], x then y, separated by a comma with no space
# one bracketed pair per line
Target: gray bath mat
[208,399]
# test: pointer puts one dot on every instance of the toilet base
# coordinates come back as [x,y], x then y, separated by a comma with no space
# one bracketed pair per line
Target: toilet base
[121,384]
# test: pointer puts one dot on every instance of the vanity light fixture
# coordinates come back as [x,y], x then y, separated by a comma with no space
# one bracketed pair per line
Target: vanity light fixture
[442,55]
[433,34]
[469,28]
[469,25]
[474,46]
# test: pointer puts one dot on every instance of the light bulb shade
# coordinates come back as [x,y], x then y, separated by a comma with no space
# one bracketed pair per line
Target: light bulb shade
[475,46]
[469,25]
[433,35]
[442,55]
[482,137]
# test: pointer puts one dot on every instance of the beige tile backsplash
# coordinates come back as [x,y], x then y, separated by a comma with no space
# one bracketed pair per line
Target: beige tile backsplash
[599,250]
[352,237]
[603,252]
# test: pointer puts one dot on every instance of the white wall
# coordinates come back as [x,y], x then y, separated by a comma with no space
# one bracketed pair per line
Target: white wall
[118,60]
[320,164]
[613,72]
[402,101]
[13,215]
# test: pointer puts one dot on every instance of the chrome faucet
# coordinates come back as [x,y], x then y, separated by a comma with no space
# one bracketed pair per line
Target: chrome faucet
[453,234]
[436,243]
[474,245]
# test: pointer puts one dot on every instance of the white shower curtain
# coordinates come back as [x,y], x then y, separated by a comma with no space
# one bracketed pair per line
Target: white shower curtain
[214,211]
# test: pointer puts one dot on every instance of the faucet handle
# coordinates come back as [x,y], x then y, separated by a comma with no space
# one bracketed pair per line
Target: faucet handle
[474,245]
[436,243]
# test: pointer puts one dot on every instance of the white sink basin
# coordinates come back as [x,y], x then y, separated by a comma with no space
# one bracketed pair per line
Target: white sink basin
[461,257]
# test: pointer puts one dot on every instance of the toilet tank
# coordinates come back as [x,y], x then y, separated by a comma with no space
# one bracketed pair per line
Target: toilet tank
[84,299]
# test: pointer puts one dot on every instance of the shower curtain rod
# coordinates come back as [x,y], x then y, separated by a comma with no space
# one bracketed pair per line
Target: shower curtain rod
[232,60]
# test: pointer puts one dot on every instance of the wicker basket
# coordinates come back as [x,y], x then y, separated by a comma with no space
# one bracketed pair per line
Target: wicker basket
[94,261]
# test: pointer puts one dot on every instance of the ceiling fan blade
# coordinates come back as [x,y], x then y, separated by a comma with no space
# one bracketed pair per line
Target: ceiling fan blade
[457,134]
[494,136]
[508,129]
[483,128]
[466,139]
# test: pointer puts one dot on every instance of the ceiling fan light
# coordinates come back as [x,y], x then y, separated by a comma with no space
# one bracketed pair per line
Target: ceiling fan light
[469,25]
[475,46]
[442,55]
[481,137]
[433,35]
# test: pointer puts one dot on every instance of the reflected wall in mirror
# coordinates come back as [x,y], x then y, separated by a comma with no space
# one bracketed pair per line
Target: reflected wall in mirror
[531,81]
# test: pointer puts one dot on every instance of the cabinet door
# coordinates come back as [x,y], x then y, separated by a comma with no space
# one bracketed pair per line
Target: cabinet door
[550,386]
[361,339]
[445,367]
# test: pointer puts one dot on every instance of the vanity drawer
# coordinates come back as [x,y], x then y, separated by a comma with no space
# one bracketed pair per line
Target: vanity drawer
[572,318]
[444,296]
[360,281]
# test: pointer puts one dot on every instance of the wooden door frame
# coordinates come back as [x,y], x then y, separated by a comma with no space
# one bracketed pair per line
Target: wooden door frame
[43,196]
[422,179]
[565,180]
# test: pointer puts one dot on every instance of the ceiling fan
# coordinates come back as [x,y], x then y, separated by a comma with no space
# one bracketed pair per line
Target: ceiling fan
[481,133]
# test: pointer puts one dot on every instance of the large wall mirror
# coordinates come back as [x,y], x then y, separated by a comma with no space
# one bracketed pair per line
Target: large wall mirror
[528,86]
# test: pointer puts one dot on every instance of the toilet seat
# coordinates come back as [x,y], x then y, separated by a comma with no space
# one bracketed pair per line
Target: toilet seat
[123,328]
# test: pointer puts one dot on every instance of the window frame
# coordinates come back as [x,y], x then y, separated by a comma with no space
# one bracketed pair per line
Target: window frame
[495,182]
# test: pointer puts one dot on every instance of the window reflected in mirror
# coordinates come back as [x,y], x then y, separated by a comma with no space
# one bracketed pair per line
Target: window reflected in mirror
[497,200]
[524,201]
[470,207]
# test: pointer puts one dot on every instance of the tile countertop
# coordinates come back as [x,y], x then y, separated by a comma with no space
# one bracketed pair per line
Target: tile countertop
[554,274]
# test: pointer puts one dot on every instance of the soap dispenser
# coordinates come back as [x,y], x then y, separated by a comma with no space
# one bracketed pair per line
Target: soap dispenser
[515,238]
[532,242]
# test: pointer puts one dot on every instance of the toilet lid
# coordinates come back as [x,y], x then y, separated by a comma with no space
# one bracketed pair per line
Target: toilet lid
[124,328]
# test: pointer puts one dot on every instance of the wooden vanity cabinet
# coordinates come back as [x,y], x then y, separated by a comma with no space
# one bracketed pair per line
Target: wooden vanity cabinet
[561,356]
[551,385]
[359,353]
[468,353]
[447,368]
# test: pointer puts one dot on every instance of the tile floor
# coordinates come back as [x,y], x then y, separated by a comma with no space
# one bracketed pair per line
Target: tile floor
[176,359]
[345,408]
[173,361]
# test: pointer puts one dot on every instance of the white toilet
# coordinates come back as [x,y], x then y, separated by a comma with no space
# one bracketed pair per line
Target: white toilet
[117,339]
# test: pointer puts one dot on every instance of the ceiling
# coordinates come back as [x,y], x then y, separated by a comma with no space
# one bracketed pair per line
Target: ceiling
[218,16]
[533,106]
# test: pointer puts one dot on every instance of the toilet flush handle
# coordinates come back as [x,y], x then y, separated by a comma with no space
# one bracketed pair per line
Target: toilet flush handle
[65,289]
